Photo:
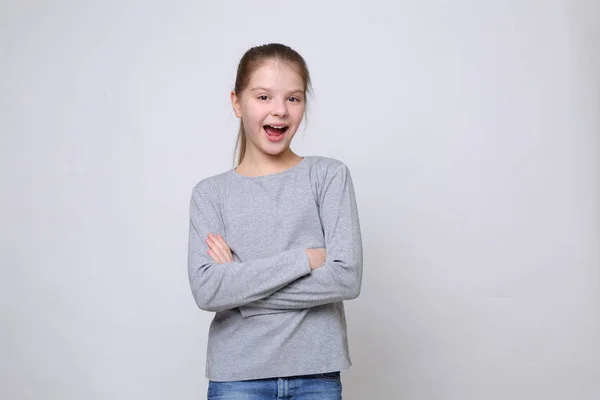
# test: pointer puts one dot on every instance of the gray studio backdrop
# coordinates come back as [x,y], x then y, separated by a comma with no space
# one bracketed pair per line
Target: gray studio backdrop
[471,129]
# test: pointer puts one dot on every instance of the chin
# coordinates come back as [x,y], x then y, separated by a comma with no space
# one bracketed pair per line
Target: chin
[275,152]
[275,149]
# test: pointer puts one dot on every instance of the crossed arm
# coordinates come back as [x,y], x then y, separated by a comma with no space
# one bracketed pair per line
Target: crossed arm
[220,252]
[291,280]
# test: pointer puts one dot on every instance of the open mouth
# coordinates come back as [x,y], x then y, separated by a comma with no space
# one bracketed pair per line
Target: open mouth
[275,130]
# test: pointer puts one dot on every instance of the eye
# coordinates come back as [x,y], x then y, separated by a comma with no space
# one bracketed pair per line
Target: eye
[263,97]
[294,99]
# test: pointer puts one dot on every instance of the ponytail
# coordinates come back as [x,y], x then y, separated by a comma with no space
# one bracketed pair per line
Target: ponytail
[240,144]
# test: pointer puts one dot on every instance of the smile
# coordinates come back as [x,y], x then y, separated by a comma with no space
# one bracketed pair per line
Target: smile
[275,132]
[275,129]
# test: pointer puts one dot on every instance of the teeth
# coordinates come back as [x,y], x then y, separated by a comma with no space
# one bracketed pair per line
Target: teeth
[278,127]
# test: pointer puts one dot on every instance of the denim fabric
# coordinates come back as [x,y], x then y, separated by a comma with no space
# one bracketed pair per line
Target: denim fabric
[327,386]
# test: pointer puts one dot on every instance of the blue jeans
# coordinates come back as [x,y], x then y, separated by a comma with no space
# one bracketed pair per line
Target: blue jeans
[326,386]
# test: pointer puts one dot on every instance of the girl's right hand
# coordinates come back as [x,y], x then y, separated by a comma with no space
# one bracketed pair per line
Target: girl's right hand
[316,257]
[218,249]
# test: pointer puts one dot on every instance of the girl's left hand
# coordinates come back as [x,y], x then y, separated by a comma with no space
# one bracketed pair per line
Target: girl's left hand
[218,249]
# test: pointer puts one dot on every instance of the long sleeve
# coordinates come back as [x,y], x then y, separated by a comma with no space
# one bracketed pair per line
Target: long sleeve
[218,287]
[341,276]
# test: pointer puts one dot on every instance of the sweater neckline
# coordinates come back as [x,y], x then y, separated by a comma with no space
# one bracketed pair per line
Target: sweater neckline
[273,175]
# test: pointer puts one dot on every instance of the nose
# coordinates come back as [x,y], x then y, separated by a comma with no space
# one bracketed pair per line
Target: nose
[279,108]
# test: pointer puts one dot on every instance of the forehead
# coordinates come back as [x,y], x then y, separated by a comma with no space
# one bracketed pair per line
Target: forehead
[276,74]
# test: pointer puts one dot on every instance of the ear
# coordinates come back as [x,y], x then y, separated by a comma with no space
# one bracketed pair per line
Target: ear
[235,103]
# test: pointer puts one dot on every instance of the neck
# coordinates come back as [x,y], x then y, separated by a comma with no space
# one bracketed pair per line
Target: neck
[257,163]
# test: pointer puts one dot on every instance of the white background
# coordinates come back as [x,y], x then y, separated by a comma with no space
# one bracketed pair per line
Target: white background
[472,133]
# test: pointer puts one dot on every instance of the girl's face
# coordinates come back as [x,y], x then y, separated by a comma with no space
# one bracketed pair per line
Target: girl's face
[271,107]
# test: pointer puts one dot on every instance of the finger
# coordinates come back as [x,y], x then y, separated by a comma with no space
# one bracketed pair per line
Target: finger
[218,248]
[214,257]
[213,252]
[225,247]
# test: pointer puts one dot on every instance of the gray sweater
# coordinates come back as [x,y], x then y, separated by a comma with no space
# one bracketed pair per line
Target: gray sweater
[274,317]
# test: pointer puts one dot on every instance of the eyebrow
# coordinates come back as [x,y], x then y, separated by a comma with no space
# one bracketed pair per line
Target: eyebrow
[267,89]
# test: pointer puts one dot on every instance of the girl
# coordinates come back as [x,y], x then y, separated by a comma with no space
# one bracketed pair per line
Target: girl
[275,247]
